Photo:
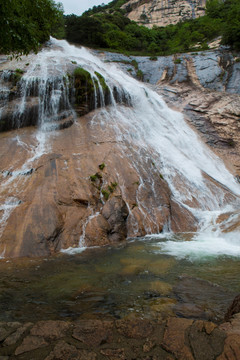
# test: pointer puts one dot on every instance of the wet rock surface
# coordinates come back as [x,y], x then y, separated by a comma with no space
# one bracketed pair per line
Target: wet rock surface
[216,70]
[175,338]
[69,196]
[191,304]
[215,115]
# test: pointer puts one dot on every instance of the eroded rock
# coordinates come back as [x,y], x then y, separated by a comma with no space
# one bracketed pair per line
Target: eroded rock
[136,329]
[63,351]
[50,329]
[174,340]
[162,13]
[31,343]
[93,333]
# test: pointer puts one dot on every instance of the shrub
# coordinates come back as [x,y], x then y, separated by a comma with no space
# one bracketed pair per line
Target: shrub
[101,166]
[177,61]
[106,194]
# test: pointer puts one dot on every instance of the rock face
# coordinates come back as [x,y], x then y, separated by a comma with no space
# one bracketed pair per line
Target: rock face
[67,197]
[163,12]
[216,70]
[86,185]
[205,87]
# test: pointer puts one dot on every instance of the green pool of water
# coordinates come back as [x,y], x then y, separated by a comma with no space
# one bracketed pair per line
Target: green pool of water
[130,280]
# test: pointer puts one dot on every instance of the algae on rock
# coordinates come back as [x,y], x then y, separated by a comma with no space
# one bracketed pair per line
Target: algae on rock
[88,94]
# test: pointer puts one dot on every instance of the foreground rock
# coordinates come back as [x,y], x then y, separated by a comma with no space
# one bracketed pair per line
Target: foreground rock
[175,338]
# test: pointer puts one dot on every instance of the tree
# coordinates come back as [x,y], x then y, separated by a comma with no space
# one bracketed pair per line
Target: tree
[26,24]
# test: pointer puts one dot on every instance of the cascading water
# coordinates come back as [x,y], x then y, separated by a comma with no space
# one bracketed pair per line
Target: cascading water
[198,179]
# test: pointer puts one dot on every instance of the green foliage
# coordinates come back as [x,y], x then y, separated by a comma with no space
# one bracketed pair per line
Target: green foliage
[26,24]
[177,61]
[105,193]
[105,89]
[80,72]
[134,64]
[106,27]
[101,166]
[16,76]
[95,177]
[112,187]
[140,75]
[19,71]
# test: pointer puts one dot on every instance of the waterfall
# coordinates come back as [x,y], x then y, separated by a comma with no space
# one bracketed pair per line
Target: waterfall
[142,122]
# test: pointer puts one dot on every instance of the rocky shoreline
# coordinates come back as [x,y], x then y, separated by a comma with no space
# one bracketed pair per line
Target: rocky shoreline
[171,339]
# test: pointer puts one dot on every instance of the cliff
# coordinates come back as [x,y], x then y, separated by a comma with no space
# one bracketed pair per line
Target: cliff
[163,12]
[86,179]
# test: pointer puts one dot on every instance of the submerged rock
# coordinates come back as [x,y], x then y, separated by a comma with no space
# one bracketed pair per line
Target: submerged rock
[233,309]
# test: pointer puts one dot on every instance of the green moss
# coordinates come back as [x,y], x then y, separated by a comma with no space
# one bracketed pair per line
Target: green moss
[221,76]
[16,76]
[102,82]
[161,176]
[136,183]
[84,89]
[74,62]
[140,75]
[112,187]
[177,61]
[134,205]
[105,193]
[101,166]
[94,177]
[19,71]
[237,60]
[80,72]
[135,64]
[153,58]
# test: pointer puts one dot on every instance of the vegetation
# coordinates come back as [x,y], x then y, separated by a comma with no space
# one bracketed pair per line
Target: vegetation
[94,177]
[112,187]
[106,27]
[177,61]
[101,166]
[106,194]
[16,76]
[26,24]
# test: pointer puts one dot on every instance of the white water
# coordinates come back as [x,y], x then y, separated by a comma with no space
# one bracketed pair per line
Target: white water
[184,161]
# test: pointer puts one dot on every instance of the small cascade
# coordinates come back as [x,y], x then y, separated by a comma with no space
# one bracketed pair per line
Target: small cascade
[47,91]
[32,99]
